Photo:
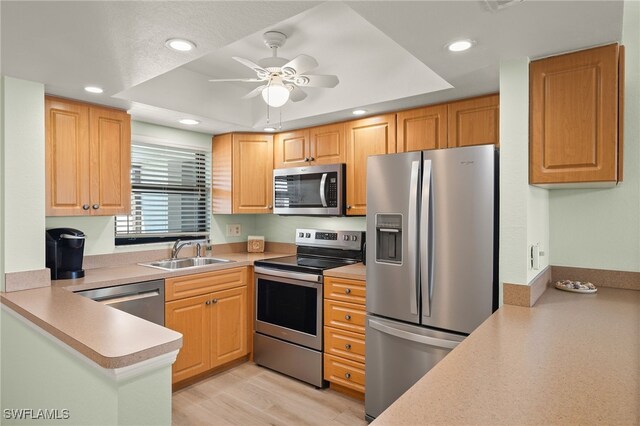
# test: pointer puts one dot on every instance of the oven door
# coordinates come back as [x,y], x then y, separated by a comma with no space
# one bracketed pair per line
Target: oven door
[288,308]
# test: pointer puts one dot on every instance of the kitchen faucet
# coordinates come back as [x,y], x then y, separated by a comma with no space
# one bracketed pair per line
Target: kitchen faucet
[177,246]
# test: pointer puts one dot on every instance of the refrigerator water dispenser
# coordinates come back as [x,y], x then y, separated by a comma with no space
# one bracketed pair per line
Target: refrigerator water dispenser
[389,238]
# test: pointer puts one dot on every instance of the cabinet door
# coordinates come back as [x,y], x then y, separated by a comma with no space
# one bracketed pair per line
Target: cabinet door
[369,136]
[327,144]
[291,149]
[191,317]
[574,117]
[67,157]
[110,153]
[252,173]
[228,325]
[422,128]
[474,122]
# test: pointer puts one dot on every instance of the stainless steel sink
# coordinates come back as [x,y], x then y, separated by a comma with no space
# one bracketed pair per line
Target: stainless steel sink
[189,262]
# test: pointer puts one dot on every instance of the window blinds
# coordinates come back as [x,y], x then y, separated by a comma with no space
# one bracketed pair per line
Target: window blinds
[170,194]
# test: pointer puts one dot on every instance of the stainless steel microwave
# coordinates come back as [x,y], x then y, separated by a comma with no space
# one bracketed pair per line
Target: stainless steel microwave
[310,191]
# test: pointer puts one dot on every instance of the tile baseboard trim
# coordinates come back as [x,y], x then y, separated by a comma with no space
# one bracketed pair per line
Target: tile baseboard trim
[26,280]
[599,277]
[527,295]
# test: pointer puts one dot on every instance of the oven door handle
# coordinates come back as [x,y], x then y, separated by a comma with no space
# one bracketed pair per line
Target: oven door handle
[287,274]
[323,184]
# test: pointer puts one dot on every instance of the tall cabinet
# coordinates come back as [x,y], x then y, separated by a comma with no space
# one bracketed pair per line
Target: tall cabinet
[365,137]
[88,159]
[243,172]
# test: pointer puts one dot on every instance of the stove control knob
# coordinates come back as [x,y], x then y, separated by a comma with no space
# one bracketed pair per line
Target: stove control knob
[308,235]
[346,238]
[300,234]
[354,238]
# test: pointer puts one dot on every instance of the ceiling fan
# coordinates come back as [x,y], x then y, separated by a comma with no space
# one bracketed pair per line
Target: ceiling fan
[282,78]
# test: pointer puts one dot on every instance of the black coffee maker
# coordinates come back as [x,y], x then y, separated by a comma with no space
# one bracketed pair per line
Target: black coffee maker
[65,248]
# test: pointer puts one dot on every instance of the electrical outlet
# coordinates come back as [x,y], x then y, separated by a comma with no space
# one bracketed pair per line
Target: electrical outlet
[234,230]
[530,253]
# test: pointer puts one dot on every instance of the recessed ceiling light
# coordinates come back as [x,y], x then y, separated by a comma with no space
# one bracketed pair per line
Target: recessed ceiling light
[269,129]
[460,45]
[359,111]
[179,44]
[93,89]
[189,121]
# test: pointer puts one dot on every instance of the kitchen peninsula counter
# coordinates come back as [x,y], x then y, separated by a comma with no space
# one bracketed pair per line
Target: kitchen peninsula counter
[571,358]
[110,338]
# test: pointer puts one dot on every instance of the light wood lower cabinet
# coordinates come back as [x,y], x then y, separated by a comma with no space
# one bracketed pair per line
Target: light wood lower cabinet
[344,337]
[214,323]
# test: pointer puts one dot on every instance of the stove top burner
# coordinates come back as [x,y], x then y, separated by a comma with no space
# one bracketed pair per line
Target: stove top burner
[308,264]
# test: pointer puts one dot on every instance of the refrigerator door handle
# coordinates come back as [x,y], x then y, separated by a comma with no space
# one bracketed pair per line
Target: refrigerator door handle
[412,234]
[425,236]
[418,338]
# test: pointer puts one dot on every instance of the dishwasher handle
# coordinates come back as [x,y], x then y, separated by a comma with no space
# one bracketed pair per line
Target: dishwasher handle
[111,300]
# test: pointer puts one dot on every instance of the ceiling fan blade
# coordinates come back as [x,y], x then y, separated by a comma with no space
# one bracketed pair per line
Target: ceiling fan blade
[254,92]
[244,80]
[309,80]
[297,94]
[247,63]
[299,65]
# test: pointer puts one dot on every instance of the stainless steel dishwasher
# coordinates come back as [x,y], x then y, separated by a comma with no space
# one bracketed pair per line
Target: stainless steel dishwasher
[144,300]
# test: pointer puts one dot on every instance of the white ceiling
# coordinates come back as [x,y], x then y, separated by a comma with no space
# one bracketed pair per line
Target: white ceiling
[388,54]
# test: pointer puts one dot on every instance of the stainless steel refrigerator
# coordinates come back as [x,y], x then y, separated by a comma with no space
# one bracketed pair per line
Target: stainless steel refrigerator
[431,261]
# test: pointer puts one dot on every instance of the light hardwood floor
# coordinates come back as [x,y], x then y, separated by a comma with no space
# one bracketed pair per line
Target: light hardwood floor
[252,395]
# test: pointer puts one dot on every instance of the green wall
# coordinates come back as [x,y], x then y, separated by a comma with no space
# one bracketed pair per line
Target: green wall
[600,228]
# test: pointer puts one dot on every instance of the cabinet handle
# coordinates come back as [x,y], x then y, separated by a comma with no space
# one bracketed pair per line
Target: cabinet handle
[269,206]
[347,290]
[311,158]
[96,206]
[348,207]
[208,302]
[347,347]
[307,159]
[347,317]
[214,301]
[347,375]
[85,207]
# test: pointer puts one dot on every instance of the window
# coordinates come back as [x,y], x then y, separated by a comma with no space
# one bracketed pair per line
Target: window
[170,195]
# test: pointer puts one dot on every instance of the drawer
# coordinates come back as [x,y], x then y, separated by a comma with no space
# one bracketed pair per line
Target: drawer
[345,290]
[343,372]
[345,316]
[197,284]
[345,344]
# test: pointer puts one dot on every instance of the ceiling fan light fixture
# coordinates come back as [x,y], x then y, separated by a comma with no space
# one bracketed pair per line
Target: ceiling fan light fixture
[460,45]
[179,44]
[275,94]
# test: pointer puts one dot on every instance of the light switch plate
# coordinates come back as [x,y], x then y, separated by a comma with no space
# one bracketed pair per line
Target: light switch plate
[234,230]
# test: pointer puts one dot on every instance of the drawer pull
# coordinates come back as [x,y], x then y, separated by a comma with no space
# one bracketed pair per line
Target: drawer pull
[347,375]
[347,290]
[347,347]
[208,302]
[347,317]
[214,301]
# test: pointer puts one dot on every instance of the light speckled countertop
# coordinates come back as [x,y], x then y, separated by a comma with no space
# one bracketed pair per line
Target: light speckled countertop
[570,359]
[109,337]
[357,271]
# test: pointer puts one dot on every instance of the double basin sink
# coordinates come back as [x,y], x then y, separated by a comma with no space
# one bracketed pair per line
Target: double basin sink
[188,262]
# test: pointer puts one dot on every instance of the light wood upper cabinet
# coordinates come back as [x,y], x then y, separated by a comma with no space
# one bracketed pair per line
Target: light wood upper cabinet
[242,173]
[422,128]
[88,159]
[291,149]
[327,144]
[365,137]
[313,146]
[474,121]
[574,123]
